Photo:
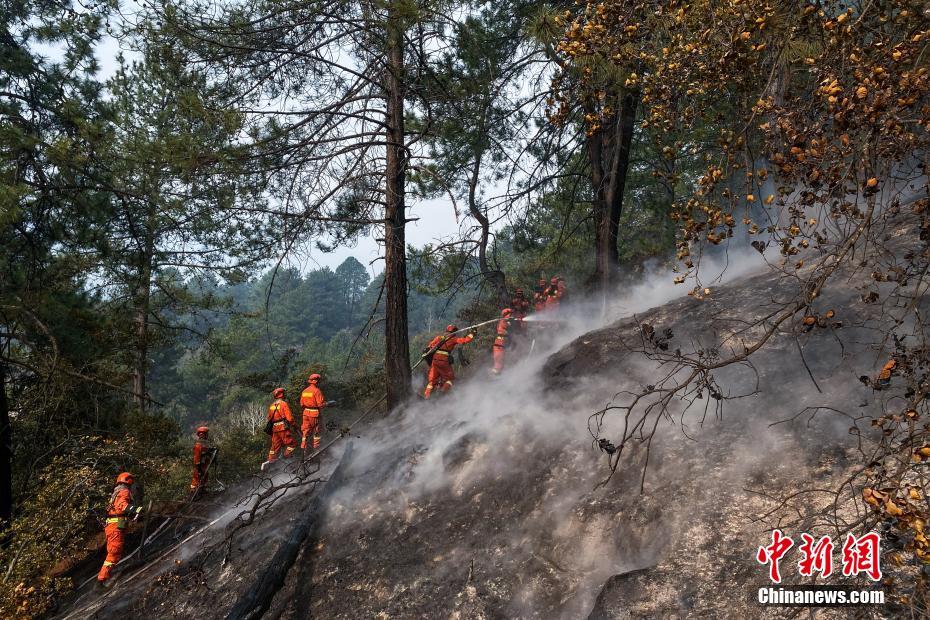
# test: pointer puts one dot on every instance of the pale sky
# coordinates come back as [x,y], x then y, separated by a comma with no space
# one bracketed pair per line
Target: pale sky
[436,217]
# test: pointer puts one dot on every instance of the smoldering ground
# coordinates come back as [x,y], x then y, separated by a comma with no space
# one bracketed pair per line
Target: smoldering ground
[492,501]
[499,483]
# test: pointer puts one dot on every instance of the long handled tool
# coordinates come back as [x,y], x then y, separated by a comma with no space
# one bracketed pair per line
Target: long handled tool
[145,529]
[450,335]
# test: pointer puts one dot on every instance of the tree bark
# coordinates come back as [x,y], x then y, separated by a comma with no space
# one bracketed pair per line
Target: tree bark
[143,300]
[609,159]
[494,277]
[396,344]
[6,453]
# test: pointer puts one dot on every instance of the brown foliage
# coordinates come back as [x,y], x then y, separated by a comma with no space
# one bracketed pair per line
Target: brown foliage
[812,123]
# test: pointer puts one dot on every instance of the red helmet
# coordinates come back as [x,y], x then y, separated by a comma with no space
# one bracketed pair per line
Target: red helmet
[313,378]
[203,430]
[278,393]
[506,312]
[451,328]
[124,478]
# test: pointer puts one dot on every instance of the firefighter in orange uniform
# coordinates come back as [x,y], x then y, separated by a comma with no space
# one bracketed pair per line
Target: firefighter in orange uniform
[562,288]
[120,510]
[440,371]
[520,305]
[500,342]
[553,296]
[281,421]
[312,401]
[204,455]
[539,296]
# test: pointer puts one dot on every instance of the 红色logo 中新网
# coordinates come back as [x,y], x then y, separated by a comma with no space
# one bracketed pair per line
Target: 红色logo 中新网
[860,555]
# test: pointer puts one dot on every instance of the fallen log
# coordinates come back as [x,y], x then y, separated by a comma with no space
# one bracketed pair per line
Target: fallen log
[257,599]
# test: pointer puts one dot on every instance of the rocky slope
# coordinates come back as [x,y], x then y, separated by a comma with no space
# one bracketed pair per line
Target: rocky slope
[492,502]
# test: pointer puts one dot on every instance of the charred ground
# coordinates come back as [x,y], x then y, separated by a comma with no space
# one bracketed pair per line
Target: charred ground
[496,503]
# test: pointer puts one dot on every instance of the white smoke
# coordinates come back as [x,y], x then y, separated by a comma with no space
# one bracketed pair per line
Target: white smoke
[498,429]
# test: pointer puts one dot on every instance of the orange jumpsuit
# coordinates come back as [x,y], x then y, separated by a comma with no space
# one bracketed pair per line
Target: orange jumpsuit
[119,510]
[280,414]
[312,400]
[499,344]
[520,306]
[553,296]
[201,460]
[440,371]
[539,298]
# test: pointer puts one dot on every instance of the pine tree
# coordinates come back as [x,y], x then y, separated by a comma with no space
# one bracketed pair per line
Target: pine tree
[328,90]
[179,211]
[52,123]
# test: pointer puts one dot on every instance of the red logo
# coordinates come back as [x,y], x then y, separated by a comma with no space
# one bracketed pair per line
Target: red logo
[773,553]
[860,555]
[817,557]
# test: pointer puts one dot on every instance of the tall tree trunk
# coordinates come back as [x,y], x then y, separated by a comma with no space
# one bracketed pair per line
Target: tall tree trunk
[396,344]
[494,277]
[6,452]
[609,159]
[142,304]
[668,169]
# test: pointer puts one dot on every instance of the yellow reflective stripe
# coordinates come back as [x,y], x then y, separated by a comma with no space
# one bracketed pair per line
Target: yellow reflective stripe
[105,563]
[317,409]
[441,352]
